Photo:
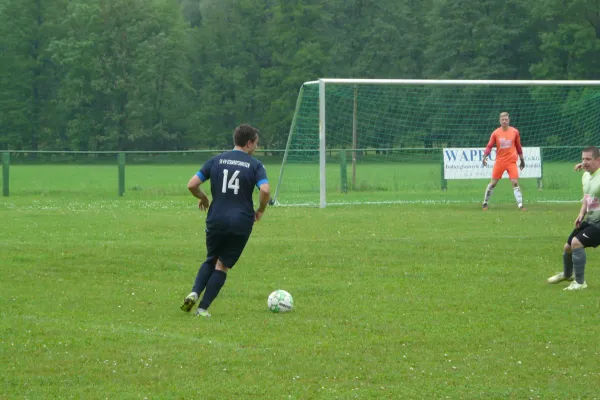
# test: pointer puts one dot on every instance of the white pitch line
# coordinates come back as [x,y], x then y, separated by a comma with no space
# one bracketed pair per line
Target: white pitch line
[349,203]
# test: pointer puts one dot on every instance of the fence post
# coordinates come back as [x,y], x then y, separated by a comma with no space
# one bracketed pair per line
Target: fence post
[343,172]
[5,174]
[121,161]
[540,183]
[443,181]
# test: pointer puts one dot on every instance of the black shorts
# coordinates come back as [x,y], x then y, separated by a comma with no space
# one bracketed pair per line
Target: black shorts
[587,234]
[226,247]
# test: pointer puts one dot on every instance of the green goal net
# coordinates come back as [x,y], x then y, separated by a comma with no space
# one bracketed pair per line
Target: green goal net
[363,141]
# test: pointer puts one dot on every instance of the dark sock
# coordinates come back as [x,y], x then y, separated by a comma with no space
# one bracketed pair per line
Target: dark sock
[567,264]
[202,277]
[215,283]
[579,260]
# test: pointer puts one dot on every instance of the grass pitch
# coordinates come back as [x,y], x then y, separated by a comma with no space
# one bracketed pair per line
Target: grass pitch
[374,182]
[392,301]
[431,300]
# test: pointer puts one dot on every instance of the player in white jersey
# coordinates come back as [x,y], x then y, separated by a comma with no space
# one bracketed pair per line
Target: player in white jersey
[587,224]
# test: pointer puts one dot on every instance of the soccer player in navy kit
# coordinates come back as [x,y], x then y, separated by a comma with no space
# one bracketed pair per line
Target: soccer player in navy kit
[231,215]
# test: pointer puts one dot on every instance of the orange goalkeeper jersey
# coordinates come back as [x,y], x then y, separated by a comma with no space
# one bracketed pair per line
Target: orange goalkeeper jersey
[508,145]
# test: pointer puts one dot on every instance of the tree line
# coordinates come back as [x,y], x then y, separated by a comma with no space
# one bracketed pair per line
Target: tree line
[181,74]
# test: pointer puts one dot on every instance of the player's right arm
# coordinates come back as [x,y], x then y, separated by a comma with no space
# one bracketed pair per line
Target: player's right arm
[584,204]
[194,188]
[198,179]
[582,212]
[488,148]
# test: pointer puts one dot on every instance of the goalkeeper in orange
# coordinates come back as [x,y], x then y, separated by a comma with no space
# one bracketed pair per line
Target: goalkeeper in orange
[508,145]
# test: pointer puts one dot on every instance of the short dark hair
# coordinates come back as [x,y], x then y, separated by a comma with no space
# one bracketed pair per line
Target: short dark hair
[594,150]
[243,134]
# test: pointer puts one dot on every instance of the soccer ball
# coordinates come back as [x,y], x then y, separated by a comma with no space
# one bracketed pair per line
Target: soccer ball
[280,301]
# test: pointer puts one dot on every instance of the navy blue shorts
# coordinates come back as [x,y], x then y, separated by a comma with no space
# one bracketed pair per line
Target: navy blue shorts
[587,234]
[226,247]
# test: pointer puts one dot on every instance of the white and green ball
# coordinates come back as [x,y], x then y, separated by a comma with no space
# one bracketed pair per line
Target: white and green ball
[280,301]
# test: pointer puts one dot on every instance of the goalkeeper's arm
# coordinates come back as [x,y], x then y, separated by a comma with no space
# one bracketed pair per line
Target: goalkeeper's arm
[519,151]
[488,149]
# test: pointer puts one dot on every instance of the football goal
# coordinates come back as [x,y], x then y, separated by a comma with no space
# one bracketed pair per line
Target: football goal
[378,140]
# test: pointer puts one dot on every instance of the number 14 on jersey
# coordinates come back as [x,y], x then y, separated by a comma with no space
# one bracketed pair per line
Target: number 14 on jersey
[233,183]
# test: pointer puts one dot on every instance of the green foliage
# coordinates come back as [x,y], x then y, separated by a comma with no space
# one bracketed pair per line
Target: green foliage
[179,74]
[479,40]
[125,63]
[28,79]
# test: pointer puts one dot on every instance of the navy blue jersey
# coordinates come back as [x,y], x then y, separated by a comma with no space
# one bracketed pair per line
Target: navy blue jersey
[233,176]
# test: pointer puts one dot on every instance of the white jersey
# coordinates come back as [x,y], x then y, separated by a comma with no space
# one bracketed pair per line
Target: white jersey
[591,196]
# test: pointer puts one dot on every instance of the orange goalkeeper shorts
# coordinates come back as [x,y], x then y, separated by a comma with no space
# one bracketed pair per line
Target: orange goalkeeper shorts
[499,168]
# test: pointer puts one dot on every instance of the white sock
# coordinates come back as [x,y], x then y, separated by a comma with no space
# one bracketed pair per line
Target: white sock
[518,196]
[488,193]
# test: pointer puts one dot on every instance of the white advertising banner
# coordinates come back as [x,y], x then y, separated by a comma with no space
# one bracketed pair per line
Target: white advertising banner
[466,163]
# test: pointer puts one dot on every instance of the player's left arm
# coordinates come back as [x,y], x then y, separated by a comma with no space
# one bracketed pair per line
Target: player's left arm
[264,193]
[519,150]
